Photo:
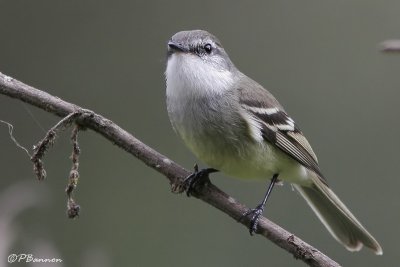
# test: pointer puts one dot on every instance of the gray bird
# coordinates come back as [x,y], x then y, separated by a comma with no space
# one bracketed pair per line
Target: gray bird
[234,125]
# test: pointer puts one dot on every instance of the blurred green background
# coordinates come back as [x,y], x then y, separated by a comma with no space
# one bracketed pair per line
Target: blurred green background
[321,59]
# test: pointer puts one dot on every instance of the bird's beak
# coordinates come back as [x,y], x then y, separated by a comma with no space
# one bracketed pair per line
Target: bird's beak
[175,47]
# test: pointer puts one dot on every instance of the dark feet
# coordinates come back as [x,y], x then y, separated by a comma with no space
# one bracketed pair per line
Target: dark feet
[255,217]
[197,178]
[257,212]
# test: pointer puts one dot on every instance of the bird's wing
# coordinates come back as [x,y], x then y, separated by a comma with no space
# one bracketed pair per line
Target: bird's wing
[279,129]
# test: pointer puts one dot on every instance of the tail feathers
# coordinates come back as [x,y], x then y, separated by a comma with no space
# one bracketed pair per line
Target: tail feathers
[337,218]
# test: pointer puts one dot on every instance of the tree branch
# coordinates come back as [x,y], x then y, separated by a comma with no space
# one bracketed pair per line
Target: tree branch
[175,173]
[390,46]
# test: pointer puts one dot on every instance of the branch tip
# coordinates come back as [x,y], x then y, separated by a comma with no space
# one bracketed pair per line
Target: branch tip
[10,132]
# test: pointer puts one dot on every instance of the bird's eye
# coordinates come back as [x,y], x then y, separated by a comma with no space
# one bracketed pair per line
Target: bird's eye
[208,48]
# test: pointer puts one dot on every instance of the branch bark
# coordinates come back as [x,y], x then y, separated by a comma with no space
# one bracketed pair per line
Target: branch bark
[172,171]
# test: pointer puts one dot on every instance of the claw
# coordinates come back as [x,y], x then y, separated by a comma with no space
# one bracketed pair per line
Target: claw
[256,213]
[197,178]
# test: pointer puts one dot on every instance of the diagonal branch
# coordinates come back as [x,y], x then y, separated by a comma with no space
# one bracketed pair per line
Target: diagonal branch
[174,173]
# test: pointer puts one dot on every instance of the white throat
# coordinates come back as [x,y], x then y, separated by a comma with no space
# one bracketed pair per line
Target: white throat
[189,75]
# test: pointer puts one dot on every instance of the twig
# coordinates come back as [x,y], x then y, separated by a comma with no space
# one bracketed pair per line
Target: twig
[72,207]
[10,132]
[390,46]
[40,149]
[175,173]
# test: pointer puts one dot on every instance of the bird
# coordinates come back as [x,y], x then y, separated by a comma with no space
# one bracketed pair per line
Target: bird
[236,126]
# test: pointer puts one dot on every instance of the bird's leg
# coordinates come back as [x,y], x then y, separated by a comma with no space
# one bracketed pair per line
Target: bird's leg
[257,212]
[197,178]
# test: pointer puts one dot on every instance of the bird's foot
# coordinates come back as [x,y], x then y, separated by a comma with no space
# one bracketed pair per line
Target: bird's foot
[255,217]
[197,178]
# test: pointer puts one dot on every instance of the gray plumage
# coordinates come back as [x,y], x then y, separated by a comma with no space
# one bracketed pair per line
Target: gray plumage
[235,125]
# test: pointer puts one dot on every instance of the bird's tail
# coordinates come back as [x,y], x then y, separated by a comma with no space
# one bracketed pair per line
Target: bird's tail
[337,218]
